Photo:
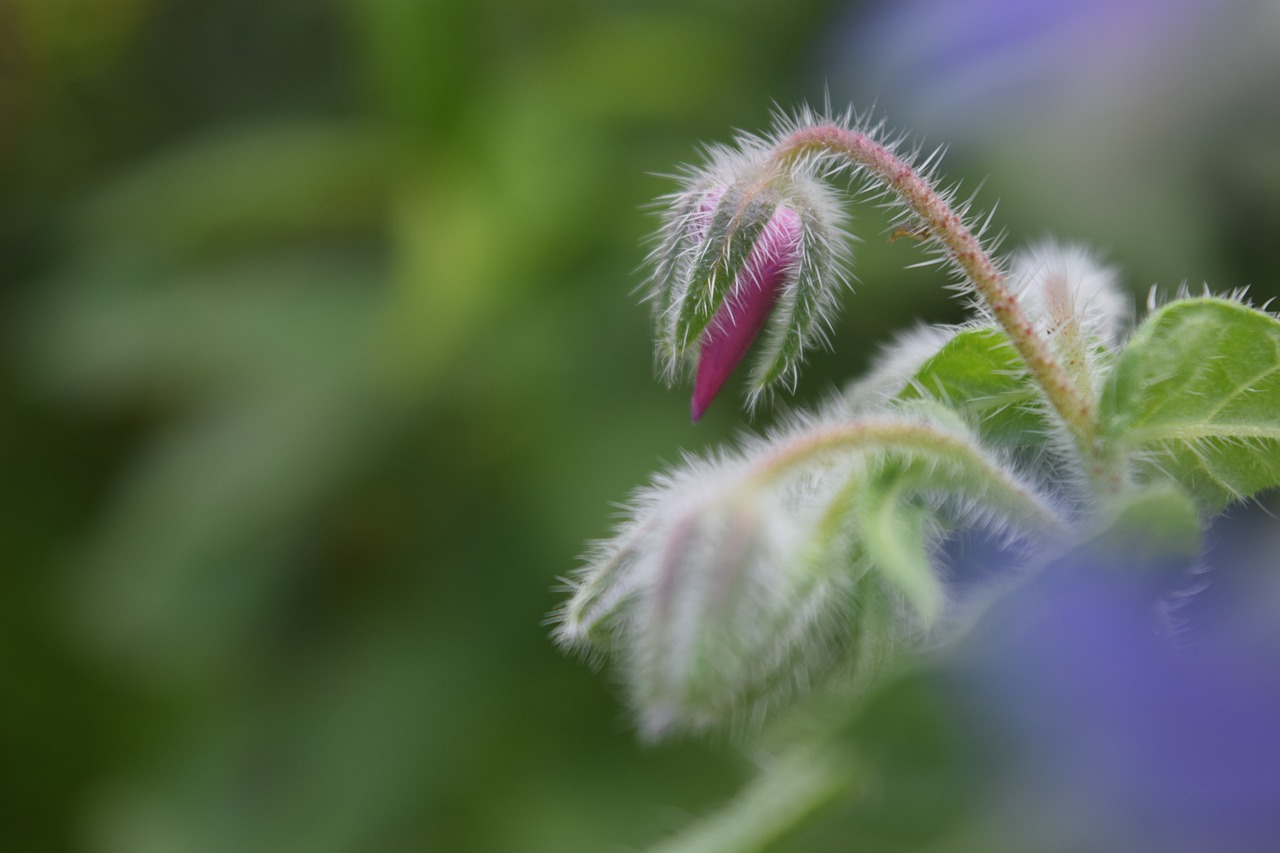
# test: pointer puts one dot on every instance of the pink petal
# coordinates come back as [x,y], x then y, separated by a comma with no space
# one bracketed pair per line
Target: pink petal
[748,305]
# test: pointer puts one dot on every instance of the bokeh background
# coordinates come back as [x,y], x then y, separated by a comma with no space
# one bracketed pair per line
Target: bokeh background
[320,360]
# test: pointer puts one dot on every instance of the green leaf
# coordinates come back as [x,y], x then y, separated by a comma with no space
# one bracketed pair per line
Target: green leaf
[931,442]
[1152,527]
[895,538]
[978,374]
[930,451]
[1195,397]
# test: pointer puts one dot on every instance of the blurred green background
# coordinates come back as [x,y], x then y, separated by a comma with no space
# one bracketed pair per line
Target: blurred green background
[321,361]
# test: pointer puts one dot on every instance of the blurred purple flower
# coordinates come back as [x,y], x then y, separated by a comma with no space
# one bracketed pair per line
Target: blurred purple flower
[1109,118]
[1142,740]
[973,60]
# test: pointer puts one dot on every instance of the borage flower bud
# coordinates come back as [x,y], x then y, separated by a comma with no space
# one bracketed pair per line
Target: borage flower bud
[1076,303]
[718,599]
[751,246]
[1065,286]
[773,261]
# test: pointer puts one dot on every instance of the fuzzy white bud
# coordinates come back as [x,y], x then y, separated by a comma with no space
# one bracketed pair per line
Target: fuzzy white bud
[1058,285]
[750,247]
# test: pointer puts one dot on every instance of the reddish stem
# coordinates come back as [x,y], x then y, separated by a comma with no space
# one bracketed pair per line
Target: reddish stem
[949,229]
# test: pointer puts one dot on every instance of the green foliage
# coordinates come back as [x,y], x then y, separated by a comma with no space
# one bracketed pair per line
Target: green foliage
[978,374]
[312,316]
[1034,428]
[1189,412]
[893,533]
[299,300]
[1157,526]
[1195,396]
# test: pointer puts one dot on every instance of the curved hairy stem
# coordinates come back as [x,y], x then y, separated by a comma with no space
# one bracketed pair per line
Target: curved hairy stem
[962,465]
[795,786]
[965,250]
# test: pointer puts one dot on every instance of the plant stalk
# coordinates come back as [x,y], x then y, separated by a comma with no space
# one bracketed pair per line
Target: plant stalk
[966,251]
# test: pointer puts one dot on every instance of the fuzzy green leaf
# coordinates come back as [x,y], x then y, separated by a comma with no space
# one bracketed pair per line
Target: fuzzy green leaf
[1195,396]
[978,374]
[933,452]
[1152,527]
[894,535]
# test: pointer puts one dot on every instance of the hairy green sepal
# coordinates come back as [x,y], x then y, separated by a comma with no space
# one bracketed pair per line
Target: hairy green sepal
[736,225]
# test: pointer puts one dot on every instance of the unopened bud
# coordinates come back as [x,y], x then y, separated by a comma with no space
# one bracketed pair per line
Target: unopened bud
[772,263]
[1063,285]
[716,599]
[750,249]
